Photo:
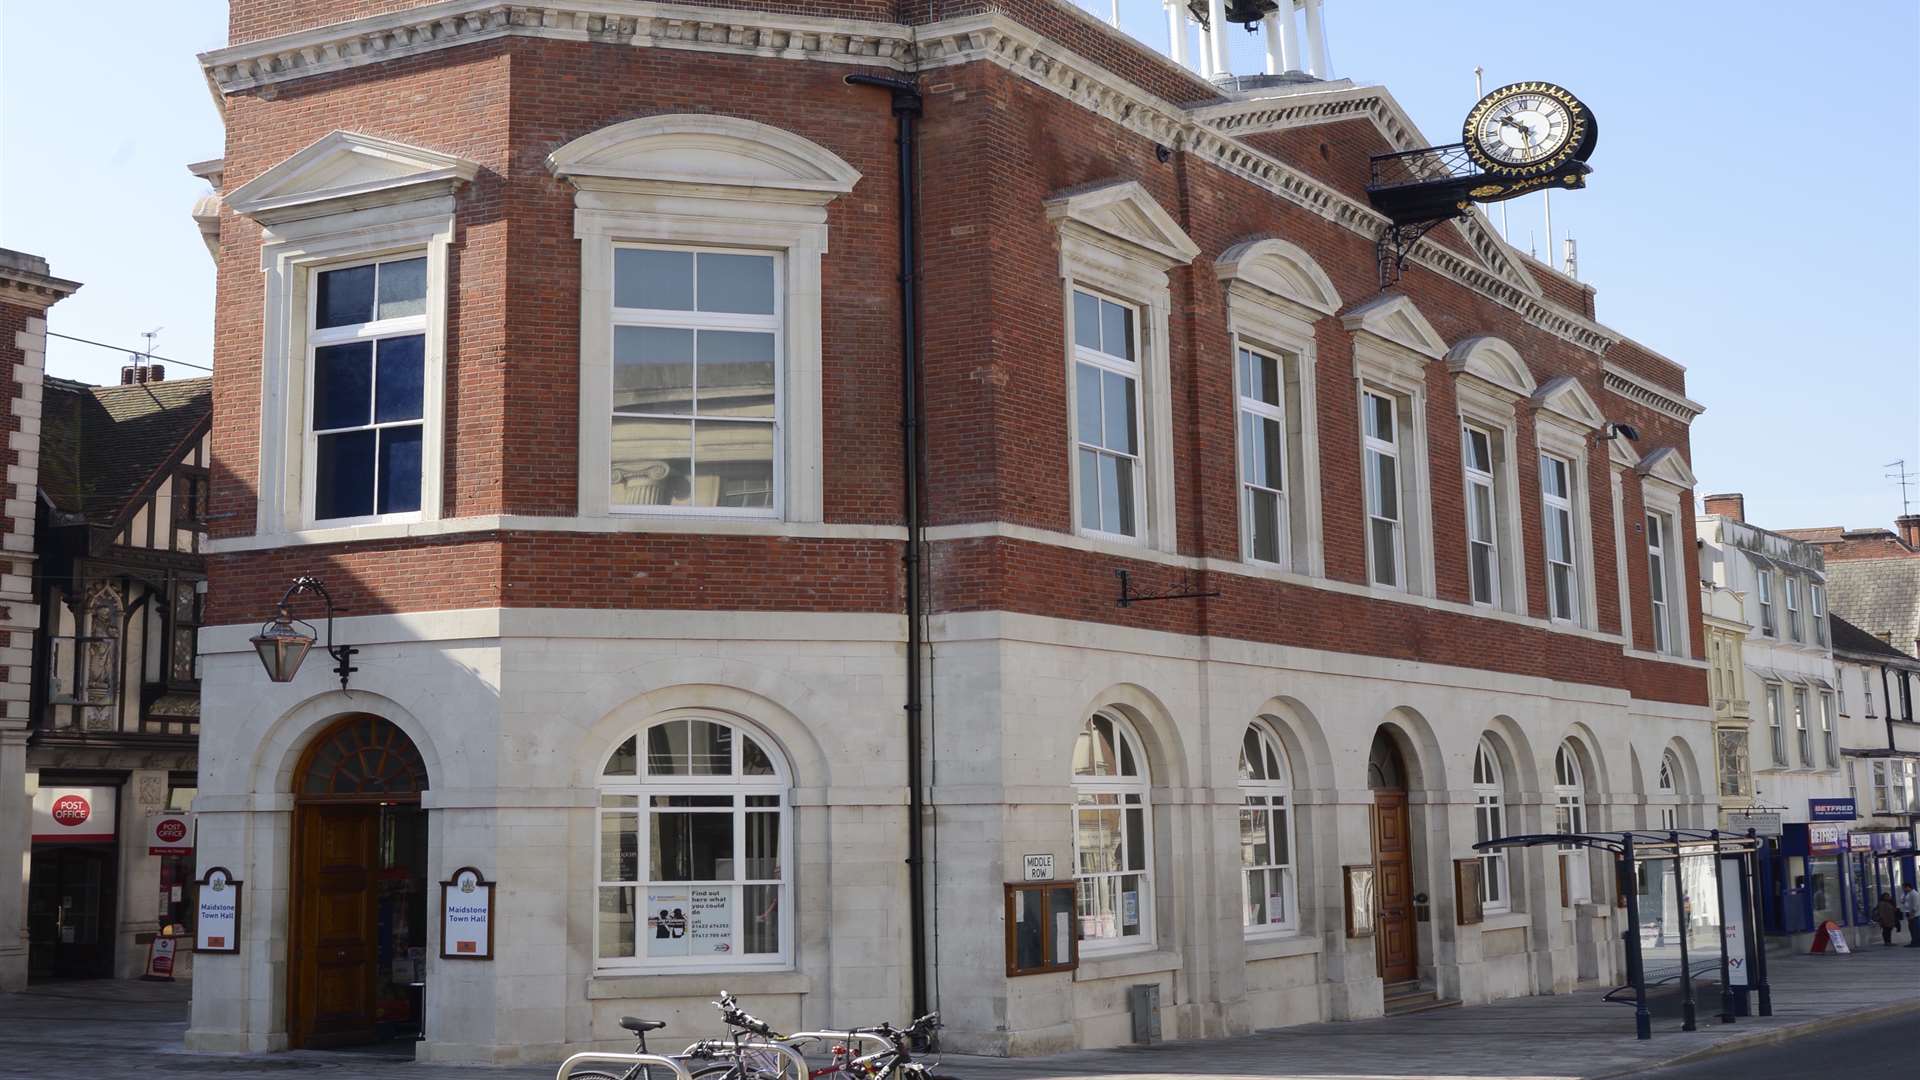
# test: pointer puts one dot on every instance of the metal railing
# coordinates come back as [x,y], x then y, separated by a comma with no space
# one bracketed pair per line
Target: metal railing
[1424,166]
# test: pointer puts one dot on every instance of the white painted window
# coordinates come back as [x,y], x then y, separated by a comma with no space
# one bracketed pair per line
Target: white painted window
[1840,688]
[1794,631]
[1669,786]
[1112,836]
[1731,747]
[1106,390]
[1563,573]
[1866,686]
[1801,734]
[1266,834]
[1765,589]
[696,378]
[366,417]
[1853,781]
[695,853]
[1826,730]
[1386,542]
[1883,789]
[1774,725]
[1484,524]
[1264,438]
[1659,563]
[1490,823]
[1817,610]
[1570,816]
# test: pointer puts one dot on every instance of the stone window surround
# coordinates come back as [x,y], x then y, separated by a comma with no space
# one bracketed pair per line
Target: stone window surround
[1563,440]
[694,180]
[1659,497]
[1275,295]
[1490,380]
[1388,369]
[1115,240]
[292,264]
[1282,788]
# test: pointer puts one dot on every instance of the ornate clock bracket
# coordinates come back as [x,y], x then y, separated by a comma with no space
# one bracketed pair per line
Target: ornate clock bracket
[1396,240]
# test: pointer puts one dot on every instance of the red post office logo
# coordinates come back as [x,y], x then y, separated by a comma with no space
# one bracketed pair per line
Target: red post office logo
[170,830]
[71,811]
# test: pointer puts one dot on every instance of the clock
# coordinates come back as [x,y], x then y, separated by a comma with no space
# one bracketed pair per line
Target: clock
[1529,128]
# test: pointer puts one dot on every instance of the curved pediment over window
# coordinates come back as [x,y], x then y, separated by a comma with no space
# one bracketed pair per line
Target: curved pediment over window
[1280,268]
[346,170]
[1564,397]
[1666,465]
[1494,362]
[735,158]
[1393,318]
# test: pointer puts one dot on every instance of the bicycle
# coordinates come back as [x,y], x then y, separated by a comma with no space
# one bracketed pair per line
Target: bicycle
[731,1059]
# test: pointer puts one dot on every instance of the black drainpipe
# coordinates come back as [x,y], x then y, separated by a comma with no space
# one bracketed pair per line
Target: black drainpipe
[906,106]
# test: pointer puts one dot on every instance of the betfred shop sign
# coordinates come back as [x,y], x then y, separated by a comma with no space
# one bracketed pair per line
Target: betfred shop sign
[170,833]
[74,815]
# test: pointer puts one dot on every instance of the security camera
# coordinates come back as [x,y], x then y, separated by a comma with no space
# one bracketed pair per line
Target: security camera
[1614,430]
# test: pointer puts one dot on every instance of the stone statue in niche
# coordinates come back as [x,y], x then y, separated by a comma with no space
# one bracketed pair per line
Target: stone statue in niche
[100,678]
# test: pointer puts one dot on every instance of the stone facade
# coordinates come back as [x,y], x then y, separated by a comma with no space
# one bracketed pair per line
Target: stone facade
[518,628]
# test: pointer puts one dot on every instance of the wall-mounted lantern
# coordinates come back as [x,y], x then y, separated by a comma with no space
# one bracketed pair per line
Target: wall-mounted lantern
[285,641]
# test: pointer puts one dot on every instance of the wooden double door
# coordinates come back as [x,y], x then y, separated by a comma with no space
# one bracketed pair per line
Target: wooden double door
[1396,943]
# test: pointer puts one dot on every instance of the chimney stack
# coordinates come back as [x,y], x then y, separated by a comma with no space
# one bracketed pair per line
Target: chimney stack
[137,374]
[1908,528]
[1733,506]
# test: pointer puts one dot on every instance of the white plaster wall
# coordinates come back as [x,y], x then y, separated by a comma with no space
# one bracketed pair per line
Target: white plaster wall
[515,711]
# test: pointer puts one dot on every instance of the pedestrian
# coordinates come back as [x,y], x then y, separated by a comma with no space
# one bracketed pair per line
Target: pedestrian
[1887,916]
[1910,907]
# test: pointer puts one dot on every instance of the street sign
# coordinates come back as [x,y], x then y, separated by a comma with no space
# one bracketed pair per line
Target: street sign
[1831,810]
[1762,822]
[1036,867]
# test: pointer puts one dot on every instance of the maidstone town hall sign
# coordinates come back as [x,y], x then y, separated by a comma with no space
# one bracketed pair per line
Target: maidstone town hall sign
[1522,138]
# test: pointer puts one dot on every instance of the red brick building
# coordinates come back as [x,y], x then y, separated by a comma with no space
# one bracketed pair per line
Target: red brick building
[563,342]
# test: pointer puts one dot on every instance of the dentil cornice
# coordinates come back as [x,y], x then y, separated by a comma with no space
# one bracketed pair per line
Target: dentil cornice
[1209,132]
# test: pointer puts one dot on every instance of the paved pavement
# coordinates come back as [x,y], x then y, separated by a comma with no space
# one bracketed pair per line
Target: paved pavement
[104,1028]
[1883,1048]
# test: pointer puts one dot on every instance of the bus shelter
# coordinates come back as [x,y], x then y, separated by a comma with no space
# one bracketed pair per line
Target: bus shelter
[1690,897]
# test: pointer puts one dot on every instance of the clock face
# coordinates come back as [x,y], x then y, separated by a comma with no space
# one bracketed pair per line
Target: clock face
[1527,127]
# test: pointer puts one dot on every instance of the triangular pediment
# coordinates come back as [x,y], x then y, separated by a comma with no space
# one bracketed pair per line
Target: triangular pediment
[1392,317]
[1124,211]
[348,171]
[1622,453]
[1566,398]
[1280,268]
[1667,466]
[1492,361]
[682,151]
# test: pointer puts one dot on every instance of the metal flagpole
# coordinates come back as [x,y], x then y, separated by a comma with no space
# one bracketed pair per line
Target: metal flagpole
[1720,906]
[1686,966]
[1642,1021]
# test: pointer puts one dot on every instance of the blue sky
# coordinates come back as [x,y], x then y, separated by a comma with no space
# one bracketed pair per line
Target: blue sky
[1752,213]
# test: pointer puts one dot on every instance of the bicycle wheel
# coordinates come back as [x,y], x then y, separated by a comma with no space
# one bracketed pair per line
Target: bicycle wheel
[591,1076]
[726,1071]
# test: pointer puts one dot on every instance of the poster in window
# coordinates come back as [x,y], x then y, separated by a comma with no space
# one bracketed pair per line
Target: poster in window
[1129,909]
[667,919]
[709,920]
[1360,901]
[466,916]
[217,912]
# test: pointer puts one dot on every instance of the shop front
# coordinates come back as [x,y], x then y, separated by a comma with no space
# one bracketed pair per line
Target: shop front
[71,894]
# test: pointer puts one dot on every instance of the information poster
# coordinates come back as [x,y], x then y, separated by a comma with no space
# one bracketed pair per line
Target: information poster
[217,913]
[1735,922]
[466,916]
[690,920]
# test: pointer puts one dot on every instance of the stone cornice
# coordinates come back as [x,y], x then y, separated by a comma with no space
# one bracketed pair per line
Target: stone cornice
[24,287]
[989,36]
[1619,380]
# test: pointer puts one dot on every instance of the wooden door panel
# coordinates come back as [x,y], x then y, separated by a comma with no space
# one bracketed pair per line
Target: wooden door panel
[335,939]
[1393,854]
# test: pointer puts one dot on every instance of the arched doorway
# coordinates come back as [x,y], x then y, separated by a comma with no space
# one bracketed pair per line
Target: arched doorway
[358,932]
[1396,952]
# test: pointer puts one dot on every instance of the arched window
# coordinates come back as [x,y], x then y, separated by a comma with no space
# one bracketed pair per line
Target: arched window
[1490,822]
[695,870]
[1669,786]
[1266,833]
[1570,816]
[1112,835]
